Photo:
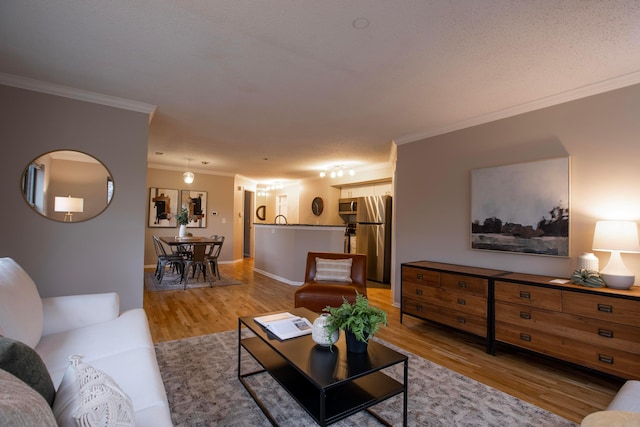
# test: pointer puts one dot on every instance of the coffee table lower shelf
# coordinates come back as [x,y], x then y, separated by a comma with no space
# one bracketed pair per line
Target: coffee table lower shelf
[325,405]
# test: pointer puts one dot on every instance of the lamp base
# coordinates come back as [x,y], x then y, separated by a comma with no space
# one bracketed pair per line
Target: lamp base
[615,281]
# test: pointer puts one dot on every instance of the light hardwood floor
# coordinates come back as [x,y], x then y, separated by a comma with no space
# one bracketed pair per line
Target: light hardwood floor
[565,390]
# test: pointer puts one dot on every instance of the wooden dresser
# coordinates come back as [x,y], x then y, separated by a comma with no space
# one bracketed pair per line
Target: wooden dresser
[594,327]
[453,295]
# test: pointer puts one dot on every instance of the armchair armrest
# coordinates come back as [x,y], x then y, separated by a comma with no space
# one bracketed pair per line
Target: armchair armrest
[76,311]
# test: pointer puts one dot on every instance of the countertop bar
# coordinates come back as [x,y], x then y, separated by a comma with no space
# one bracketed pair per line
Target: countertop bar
[281,249]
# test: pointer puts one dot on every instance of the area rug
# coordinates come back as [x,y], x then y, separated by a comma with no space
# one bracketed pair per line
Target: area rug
[200,377]
[171,282]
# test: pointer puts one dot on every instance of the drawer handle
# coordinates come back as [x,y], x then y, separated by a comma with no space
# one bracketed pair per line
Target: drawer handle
[461,301]
[525,315]
[605,359]
[462,284]
[462,320]
[419,307]
[605,308]
[418,291]
[420,276]
[525,295]
[605,333]
[525,337]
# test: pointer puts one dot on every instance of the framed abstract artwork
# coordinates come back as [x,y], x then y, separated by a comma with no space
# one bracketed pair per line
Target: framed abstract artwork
[522,208]
[163,207]
[196,204]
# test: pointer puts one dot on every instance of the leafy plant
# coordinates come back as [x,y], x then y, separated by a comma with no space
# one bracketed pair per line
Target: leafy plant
[360,318]
[183,216]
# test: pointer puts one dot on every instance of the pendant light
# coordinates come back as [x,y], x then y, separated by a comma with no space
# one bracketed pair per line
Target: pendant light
[188,177]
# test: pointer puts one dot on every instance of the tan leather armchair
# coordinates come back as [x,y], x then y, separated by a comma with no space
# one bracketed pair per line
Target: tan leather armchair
[316,295]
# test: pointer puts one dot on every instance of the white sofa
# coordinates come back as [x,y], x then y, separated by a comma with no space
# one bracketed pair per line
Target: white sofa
[119,344]
[623,411]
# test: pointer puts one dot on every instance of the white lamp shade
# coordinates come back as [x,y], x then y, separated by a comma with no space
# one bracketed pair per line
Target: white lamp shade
[68,204]
[619,236]
[188,177]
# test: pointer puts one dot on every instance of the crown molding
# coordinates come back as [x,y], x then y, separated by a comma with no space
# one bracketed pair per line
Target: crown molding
[549,101]
[78,94]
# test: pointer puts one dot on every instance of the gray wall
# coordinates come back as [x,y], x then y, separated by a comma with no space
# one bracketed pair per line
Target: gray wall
[100,255]
[601,134]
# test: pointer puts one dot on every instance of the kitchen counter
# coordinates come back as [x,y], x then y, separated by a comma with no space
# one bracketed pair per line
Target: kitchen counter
[281,249]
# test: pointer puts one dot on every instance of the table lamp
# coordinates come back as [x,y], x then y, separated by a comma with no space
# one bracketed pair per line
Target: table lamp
[69,205]
[616,237]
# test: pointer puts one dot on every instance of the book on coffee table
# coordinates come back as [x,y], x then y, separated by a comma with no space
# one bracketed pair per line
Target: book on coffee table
[285,325]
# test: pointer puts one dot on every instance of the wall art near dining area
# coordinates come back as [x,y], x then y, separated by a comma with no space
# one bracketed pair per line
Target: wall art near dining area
[196,203]
[522,208]
[163,207]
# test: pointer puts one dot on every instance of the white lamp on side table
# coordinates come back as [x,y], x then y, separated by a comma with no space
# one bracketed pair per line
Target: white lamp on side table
[616,237]
[68,205]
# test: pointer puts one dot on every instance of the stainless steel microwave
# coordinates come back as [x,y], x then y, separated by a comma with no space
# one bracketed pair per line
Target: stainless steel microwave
[348,206]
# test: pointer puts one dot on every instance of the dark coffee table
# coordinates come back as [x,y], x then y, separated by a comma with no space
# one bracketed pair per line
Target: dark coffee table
[329,385]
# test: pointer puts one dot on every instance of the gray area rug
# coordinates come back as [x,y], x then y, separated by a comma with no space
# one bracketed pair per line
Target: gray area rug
[171,282]
[200,377]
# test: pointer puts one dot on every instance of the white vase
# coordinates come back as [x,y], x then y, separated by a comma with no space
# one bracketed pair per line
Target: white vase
[183,230]
[588,261]
[320,334]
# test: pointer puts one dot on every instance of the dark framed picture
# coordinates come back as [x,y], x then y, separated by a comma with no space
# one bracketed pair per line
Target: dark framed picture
[522,208]
[163,207]
[196,204]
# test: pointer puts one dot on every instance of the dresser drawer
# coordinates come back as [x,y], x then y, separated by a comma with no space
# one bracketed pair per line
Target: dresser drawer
[466,303]
[613,361]
[528,338]
[420,276]
[547,298]
[419,291]
[593,332]
[611,309]
[461,283]
[464,321]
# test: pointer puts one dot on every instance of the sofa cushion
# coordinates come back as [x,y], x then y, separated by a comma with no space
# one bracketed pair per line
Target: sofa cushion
[21,405]
[22,361]
[20,304]
[627,398]
[333,270]
[89,397]
[101,340]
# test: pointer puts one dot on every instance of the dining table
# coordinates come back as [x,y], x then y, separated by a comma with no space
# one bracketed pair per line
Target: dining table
[194,250]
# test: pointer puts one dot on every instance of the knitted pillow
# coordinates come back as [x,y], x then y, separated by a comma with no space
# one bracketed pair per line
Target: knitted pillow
[22,361]
[21,405]
[333,270]
[88,397]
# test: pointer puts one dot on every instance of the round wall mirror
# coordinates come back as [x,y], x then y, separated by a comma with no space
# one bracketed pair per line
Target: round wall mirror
[67,186]
[317,206]
[261,212]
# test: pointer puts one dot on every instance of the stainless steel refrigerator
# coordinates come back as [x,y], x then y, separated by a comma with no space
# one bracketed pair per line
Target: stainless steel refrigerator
[373,233]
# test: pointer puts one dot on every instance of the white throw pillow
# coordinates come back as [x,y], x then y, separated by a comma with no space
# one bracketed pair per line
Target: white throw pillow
[21,316]
[333,270]
[87,397]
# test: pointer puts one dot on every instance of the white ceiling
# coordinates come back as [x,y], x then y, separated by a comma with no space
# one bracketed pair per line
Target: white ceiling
[278,89]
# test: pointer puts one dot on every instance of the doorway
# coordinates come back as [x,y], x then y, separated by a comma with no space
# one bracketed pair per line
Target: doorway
[248,223]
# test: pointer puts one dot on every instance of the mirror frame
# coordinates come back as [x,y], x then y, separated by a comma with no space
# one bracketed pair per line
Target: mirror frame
[261,212]
[36,173]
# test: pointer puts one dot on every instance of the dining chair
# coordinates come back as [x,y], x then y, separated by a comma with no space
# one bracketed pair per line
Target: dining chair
[164,259]
[214,253]
[199,264]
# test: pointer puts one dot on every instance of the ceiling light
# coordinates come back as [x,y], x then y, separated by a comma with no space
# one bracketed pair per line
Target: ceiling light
[188,177]
[336,171]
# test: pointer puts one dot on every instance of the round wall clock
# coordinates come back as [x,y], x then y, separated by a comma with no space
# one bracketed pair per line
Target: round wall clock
[317,206]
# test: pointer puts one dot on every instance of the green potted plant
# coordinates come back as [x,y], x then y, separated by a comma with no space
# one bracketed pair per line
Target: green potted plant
[359,320]
[183,220]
